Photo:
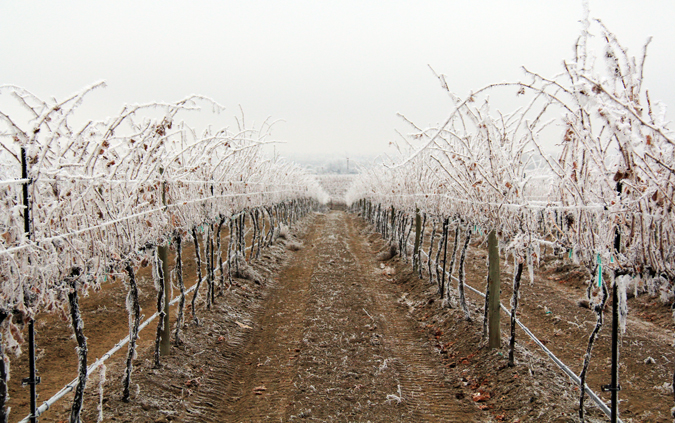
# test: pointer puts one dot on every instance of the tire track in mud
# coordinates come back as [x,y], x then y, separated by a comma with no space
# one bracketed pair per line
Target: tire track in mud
[425,386]
[332,343]
[266,358]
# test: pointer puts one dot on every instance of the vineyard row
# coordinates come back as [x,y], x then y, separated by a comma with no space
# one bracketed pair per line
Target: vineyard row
[604,194]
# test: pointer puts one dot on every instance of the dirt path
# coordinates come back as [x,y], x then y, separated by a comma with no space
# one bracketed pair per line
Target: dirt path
[331,344]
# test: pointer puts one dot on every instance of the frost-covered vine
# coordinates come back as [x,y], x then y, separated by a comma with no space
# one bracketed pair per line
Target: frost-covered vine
[608,174]
[104,194]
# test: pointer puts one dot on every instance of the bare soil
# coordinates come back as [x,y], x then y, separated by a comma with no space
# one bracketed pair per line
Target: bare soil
[550,308]
[332,334]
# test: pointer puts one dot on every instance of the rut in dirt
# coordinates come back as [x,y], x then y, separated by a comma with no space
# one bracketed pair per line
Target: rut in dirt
[332,343]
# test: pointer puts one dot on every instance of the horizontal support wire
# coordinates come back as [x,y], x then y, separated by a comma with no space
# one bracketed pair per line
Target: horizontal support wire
[73,384]
[133,216]
[533,205]
[101,179]
[596,399]
[15,182]
[536,204]
[90,370]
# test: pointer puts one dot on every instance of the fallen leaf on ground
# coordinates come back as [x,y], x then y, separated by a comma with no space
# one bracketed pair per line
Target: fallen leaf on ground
[243,326]
[480,397]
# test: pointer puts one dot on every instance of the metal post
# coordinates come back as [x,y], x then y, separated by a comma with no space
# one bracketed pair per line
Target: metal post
[615,329]
[615,354]
[163,253]
[31,380]
[614,386]
[495,289]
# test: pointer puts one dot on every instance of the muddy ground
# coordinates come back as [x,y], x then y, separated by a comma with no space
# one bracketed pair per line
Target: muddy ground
[333,334]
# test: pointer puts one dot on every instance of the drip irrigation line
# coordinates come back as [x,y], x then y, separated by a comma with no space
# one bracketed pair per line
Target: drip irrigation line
[592,395]
[15,182]
[72,385]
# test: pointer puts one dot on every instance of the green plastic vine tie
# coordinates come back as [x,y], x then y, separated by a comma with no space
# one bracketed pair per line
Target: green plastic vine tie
[599,271]
[570,254]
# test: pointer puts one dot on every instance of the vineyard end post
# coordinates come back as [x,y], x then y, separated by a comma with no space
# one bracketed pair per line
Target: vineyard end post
[495,288]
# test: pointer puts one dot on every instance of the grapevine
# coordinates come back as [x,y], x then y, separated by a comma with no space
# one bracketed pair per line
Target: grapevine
[610,179]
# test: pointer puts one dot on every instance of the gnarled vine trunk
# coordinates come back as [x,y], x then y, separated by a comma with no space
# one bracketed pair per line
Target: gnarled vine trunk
[134,309]
[181,287]
[78,330]
[198,261]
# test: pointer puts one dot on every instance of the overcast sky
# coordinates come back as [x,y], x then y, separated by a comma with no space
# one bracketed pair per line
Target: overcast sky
[335,72]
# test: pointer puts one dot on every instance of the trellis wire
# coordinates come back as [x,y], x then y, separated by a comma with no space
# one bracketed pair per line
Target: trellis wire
[592,395]
[136,215]
[72,385]
[15,182]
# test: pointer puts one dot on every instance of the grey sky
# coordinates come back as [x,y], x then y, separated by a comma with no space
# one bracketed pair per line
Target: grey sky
[335,72]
